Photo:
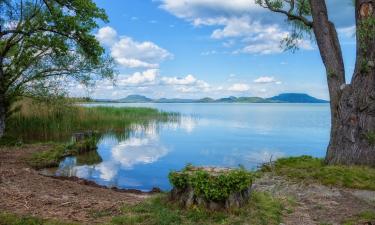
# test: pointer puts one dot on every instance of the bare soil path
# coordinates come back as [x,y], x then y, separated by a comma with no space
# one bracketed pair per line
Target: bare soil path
[24,191]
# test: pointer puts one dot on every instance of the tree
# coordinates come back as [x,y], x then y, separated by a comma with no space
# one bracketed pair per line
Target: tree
[352,139]
[45,43]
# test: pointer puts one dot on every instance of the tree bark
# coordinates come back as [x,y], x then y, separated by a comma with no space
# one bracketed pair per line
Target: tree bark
[352,139]
[2,116]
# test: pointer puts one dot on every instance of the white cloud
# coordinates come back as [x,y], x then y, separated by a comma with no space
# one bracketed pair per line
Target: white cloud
[239,87]
[266,80]
[130,53]
[138,78]
[107,36]
[188,80]
[347,31]
[133,54]
[242,21]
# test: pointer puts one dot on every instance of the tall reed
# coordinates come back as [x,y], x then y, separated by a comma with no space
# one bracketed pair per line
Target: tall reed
[58,120]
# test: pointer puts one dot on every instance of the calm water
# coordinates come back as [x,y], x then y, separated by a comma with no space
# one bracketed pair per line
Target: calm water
[208,134]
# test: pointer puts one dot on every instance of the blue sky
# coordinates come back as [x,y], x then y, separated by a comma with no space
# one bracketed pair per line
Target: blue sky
[215,48]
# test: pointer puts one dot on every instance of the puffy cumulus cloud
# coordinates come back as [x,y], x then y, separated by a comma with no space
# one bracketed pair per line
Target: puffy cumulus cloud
[188,80]
[133,54]
[240,21]
[201,11]
[188,84]
[239,87]
[257,38]
[130,53]
[147,77]
[266,80]
[106,36]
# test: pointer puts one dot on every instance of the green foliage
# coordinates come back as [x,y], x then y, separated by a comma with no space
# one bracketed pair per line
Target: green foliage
[212,187]
[44,44]
[362,218]
[262,210]
[309,169]
[10,219]
[298,13]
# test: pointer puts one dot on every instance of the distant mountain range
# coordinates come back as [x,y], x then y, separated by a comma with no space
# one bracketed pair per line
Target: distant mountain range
[282,98]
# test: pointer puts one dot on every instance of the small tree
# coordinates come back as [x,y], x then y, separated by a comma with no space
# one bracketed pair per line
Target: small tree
[44,43]
[352,138]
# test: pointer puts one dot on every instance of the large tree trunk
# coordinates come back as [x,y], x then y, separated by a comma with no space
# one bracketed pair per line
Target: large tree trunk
[352,105]
[2,116]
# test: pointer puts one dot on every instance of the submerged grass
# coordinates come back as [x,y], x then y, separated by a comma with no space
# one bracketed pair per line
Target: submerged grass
[309,169]
[58,120]
[261,210]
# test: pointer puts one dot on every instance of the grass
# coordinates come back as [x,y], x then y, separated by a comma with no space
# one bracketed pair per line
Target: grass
[262,210]
[53,156]
[10,219]
[309,169]
[362,218]
[58,120]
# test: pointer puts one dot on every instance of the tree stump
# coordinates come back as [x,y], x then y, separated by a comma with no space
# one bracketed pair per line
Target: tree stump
[211,187]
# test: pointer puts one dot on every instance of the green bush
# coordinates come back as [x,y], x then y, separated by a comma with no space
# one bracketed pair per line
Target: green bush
[212,187]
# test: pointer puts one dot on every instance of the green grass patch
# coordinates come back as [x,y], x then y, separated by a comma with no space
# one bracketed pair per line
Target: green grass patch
[52,157]
[58,120]
[10,219]
[309,169]
[362,218]
[262,210]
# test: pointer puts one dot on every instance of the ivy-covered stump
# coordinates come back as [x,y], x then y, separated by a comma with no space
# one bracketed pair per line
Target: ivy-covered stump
[211,187]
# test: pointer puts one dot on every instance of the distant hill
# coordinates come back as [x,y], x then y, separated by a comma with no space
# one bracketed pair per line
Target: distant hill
[135,99]
[296,98]
[282,98]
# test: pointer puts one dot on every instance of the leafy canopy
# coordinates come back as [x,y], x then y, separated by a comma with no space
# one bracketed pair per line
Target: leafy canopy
[44,43]
[298,13]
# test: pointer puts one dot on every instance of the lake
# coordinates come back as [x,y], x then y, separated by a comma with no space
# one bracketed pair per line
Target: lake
[211,134]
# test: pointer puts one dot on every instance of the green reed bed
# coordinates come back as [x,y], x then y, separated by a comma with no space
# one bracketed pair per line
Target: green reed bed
[45,122]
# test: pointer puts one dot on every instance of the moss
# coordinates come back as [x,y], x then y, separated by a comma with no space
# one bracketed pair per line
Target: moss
[370,137]
[309,169]
[10,219]
[212,187]
[262,209]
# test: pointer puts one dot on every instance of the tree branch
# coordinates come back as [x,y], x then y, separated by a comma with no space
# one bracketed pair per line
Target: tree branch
[289,13]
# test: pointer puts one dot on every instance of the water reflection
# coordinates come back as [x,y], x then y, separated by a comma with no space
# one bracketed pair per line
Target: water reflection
[228,135]
[121,152]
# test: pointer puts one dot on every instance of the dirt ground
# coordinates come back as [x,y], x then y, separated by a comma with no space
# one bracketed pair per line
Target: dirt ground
[318,204]
[24,191]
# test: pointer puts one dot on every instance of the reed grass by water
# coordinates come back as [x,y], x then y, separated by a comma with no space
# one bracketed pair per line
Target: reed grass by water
[58,120]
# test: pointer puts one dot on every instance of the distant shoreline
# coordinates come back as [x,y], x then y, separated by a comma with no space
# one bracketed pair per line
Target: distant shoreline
[282,98]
